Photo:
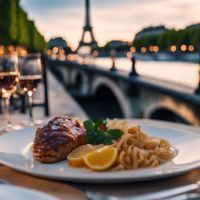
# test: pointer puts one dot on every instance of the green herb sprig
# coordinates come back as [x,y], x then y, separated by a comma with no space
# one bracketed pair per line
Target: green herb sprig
[98,133]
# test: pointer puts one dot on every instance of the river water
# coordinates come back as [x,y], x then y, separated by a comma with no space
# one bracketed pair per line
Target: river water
[179,72]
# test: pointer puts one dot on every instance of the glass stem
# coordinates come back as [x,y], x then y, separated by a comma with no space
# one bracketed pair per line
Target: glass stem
[30,101]
[7,102]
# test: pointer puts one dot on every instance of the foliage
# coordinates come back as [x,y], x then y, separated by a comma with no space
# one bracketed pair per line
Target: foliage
[98,133]
[187,36]
[8,21]
[16,28]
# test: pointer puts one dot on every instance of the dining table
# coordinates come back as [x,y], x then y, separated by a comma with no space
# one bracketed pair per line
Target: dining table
[69,190]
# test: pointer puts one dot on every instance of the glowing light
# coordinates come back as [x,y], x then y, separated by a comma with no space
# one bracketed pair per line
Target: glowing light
[5,93]
[53,56]
[23,52]
[129,55]
[173,48]
[61,52]
[133,49]
[55,50]
[1,51]
[183,47]
[191,48]
[155,48]
[11,48]
[71,57]
[1,47]
[49,52]
[151,48]
[143,49]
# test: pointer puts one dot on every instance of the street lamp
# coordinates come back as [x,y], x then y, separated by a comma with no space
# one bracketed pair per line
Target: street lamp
[95,54]
[131,55]
[113,59]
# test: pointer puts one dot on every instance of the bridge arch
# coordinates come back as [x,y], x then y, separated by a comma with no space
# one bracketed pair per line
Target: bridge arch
[166,114]
[105,84]
[79,80]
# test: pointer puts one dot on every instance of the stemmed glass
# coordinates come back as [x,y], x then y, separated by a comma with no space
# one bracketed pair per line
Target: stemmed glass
[8,81]
[30,76]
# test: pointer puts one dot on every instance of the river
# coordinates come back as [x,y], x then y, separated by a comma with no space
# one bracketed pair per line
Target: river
[179,72]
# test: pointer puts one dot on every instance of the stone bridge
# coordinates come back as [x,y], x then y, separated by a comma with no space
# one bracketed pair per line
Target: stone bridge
[115,94]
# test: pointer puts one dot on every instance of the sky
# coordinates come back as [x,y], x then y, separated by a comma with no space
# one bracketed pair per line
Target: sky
[111,19]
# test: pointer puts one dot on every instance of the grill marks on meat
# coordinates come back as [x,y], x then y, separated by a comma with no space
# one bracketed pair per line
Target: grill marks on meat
[57,139]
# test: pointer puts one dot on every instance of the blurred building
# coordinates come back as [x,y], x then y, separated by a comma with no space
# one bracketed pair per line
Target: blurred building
[156,30]
[59,42]
[194,26]
[113,44]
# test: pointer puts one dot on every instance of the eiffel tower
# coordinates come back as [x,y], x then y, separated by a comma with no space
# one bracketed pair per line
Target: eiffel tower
[87,28]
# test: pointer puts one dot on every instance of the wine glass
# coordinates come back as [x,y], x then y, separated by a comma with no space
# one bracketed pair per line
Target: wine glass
[8,81]
[30,76]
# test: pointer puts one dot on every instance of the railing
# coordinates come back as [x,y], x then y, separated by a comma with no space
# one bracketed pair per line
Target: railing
[135,80]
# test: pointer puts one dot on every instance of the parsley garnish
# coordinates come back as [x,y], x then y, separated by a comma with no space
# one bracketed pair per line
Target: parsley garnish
[98,133]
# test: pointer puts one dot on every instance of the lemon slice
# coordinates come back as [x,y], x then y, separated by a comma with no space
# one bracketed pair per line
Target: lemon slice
[75,158]
[101,159]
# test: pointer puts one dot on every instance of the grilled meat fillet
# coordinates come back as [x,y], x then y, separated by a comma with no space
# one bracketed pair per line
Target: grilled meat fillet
[57,139]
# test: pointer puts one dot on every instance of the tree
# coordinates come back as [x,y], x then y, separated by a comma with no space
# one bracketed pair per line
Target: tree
[16,28]
[8,20]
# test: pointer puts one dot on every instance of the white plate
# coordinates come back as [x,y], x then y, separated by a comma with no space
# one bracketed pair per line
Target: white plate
[15,153]
[10,192]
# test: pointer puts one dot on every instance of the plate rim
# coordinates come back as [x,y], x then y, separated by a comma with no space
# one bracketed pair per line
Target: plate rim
[186,168]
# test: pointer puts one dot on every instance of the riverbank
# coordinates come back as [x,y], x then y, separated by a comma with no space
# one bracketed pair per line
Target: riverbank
[189,57]
[186,74]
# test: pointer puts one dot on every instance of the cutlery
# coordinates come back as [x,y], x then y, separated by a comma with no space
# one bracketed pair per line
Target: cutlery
[189,196]
[152,196]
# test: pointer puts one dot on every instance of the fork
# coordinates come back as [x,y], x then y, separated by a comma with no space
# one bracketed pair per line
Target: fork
[152,196]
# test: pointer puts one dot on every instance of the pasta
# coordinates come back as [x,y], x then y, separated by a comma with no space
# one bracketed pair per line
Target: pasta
[136,149]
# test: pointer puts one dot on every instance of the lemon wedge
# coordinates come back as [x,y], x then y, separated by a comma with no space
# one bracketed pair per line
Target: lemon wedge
[75,158]
[101,159]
